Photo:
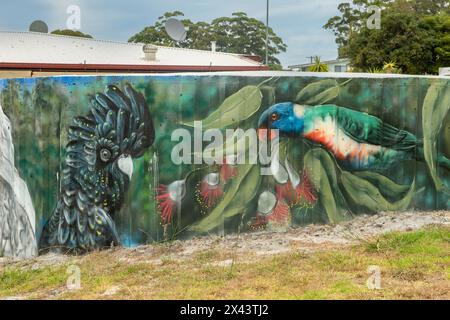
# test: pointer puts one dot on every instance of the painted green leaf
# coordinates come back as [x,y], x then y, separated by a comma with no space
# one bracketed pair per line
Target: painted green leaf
[314,89]
[435,107]
[322,172]
[236,144]
[320,92]
[247,191]
[269,96]
[239,193]
[364,194]
[236,108]
[384,184]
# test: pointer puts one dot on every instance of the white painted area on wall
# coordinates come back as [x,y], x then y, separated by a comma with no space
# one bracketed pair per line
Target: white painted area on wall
[17,215]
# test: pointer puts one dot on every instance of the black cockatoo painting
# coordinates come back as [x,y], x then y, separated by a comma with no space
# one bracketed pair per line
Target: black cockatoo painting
[97,170]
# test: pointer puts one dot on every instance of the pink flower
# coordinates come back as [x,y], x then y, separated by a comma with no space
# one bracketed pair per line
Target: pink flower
[287,192]
[209,191]
[270,211]
[280,214]
[169,199]
[305,191]
[302,194]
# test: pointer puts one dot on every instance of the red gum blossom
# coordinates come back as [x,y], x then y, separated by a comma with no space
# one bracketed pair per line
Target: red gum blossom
[166,205]
[210,194]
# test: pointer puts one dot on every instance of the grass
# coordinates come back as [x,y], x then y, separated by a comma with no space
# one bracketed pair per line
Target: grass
[414,265]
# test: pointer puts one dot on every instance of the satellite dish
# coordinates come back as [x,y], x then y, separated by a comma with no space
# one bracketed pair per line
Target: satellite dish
[175,29]
[39,26]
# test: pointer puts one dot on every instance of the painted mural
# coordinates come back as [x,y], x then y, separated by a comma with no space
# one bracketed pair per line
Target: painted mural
[17,216]
[128,160]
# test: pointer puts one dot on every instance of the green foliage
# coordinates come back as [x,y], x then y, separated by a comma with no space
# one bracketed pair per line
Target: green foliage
[71,33]
[390,67]
[318,66]
[413,33]
[375,70]
[350,21]
[276,67]
[439,27]
[242,34]
[236,34]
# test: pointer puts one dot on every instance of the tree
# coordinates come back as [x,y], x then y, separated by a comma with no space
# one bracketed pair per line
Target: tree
[439,25]
[351,21]
[236,34]
[71,33]
[400,39]
[157,34]
[353,15]
[413,33]
[242,34]
[318,66]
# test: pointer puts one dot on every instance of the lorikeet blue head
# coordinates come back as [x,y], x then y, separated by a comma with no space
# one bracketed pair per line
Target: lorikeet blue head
[286,117]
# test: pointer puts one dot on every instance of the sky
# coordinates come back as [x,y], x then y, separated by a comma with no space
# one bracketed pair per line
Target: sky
[298,22]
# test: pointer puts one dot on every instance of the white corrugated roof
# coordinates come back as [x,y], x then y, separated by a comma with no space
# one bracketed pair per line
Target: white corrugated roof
[31,47]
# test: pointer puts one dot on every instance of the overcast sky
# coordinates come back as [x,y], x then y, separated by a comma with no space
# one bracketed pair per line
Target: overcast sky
[298,22]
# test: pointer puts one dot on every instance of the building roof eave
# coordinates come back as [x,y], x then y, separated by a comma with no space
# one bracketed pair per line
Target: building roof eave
[123,67]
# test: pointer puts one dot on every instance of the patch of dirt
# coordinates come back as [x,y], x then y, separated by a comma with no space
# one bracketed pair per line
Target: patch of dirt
[250,246]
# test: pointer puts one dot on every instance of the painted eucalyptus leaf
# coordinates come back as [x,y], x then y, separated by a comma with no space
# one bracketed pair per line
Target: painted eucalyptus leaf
[387,187]
[320,92]
[435,108]
[269,95]
[236,108]
[366,195]
[323,173]
[248,190]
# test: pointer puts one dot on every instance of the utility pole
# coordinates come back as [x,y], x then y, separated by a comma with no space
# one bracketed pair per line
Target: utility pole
[267,34]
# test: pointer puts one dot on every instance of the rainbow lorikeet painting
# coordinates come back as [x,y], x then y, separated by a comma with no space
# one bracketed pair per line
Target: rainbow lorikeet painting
[357,140]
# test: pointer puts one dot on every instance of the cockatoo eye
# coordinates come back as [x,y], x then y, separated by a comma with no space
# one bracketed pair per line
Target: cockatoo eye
[275,116]
[105,155]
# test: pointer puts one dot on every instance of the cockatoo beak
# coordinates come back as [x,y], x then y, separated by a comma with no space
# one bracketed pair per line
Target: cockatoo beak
[125,164]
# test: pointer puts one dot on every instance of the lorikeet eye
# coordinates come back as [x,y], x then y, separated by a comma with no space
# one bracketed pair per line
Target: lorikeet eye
[275,116]
[105,155]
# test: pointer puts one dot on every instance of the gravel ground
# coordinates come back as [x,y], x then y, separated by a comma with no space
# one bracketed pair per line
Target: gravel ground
[249,246]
